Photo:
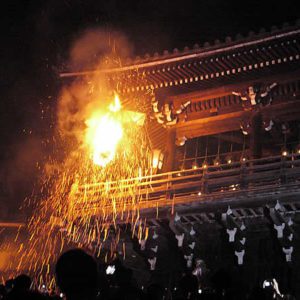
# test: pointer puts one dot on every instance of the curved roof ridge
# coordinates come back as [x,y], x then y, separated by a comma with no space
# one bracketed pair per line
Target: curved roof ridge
[197,52]
[228,40]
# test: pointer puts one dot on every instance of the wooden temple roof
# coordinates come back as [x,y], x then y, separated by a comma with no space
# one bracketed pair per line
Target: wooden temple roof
[239,59]
[208,75]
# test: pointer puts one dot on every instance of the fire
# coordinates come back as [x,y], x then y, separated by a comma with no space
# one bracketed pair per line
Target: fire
[79,203]
[103,133]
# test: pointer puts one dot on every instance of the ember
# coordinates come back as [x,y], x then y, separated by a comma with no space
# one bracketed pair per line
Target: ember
[77,202]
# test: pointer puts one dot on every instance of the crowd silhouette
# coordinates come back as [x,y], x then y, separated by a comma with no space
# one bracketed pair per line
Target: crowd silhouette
[79,277]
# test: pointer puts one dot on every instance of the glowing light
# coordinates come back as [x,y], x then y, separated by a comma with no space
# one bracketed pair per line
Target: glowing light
[103,134]
[229,160]
[217,161]
[284,153]
[181,141]
[194,165]
[157,159]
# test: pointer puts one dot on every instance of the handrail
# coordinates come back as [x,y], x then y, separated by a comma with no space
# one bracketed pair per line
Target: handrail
[235,176]
[172,173]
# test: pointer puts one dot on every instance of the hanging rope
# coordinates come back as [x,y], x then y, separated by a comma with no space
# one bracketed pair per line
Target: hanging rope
[195,165]
[243,158]
[217,159]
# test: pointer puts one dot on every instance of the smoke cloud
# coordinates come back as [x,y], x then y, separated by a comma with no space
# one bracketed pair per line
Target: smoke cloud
[95,49]
[99,48]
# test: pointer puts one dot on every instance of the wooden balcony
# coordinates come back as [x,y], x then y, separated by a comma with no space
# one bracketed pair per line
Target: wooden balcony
[241,184]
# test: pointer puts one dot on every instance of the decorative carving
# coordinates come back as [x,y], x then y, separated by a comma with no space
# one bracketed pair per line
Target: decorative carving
[279,230]
[231,234]
[240,256]
[167,115]
[256,94]
[179,238]
[288,253]
[152,262]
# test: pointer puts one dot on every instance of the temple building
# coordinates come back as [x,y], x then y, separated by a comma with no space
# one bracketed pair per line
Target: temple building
[225,130]
[224,126]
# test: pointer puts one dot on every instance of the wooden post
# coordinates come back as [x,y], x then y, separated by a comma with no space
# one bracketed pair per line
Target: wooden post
[256,136]
[204,182]
[169,151]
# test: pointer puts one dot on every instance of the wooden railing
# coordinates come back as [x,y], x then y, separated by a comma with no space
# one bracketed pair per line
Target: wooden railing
[244,176]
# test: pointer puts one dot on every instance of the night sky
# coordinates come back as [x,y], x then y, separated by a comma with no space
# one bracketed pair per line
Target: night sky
[36,37]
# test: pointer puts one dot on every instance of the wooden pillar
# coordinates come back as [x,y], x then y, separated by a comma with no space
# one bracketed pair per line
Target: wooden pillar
[169,151]
[256,136]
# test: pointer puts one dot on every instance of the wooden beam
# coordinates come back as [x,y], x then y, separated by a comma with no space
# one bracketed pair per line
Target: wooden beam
[225,90]
[211,125]
[281,112]
[11,224]
[232,139]
[256,136]
[169,151]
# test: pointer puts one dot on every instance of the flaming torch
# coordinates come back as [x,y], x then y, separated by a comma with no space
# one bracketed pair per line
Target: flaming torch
[103,133]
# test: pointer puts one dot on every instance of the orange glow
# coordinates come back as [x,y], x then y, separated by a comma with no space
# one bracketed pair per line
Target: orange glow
[80,200]
[104,132]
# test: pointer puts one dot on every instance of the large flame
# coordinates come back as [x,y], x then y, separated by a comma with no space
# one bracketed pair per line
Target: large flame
[77,203]
[104,132]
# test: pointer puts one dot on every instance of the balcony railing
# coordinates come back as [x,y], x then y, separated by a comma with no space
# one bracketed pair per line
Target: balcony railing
[212,182]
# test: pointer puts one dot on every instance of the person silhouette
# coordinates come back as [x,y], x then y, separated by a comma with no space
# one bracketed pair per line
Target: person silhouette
[76,275]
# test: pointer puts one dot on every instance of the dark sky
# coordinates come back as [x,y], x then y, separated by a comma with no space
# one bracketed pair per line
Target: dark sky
[36,36]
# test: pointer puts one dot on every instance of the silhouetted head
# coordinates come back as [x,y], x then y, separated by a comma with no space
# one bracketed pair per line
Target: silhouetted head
[76,274]
[22,282]
[2,291]
[155,292]
[9,284]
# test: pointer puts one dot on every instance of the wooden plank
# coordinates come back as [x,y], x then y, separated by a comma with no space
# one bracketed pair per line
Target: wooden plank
[287,111]
[12,224]
[211,125]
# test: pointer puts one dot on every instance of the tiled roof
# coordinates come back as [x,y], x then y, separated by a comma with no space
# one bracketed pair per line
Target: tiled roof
[210,64]
[161,58]
[207,46]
